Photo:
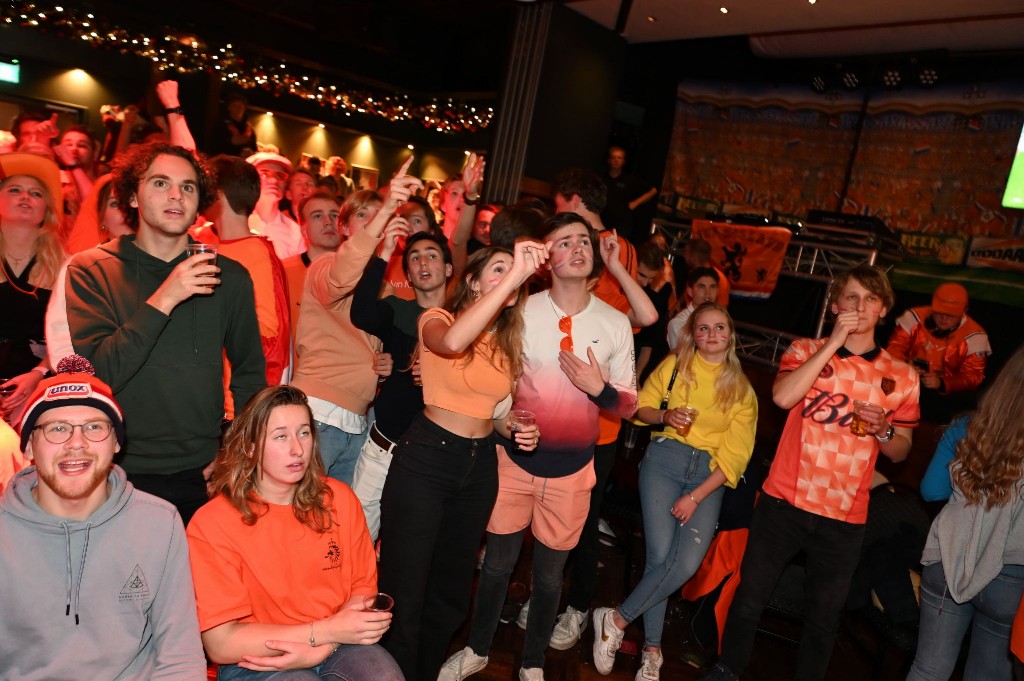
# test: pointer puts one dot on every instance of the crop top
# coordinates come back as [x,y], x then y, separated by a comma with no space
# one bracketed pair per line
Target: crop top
[466,385]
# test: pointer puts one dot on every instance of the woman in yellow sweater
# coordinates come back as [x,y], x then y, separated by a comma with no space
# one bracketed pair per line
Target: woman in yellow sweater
[683,473]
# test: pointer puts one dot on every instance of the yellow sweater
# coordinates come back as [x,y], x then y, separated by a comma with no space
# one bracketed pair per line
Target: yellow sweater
[727,435]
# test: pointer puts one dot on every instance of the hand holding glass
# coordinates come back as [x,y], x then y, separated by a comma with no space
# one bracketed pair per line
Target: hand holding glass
[199,248]
[858,426]
[378,602]
[519,419]
[685,416]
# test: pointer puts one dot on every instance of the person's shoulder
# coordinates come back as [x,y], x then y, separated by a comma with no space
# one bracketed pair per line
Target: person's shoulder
[151,510]
[343,494]
[608,313]
[110,251]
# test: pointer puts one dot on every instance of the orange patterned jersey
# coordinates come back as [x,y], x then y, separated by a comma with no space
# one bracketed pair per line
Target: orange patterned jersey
[820,466]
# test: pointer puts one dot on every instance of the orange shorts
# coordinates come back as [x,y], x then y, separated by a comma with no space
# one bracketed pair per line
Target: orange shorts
[555,508]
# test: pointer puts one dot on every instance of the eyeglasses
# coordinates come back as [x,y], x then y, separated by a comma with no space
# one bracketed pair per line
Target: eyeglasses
[565,326]
[276,174]
[59,432]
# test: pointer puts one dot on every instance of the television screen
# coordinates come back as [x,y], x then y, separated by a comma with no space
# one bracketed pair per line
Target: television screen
[1014,196]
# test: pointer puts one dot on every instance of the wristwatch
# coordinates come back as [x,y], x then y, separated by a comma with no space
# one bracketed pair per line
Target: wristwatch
[175,109]
[890,431]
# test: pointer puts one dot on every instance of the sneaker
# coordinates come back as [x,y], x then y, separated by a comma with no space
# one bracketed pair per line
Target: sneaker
[650,666]
[607,639]
[604,528]
[720,673]
[462,664]
[531,674]
[568,628]
[524,615]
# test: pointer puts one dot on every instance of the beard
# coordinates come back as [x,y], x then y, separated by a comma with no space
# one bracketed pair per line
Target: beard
[78,487]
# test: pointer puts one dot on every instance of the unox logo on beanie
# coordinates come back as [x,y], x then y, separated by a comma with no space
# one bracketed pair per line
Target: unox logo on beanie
[68,390]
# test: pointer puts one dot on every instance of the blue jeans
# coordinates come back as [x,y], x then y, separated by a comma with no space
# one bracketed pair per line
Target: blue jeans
[944,623]
[670,470]
[349,662]
[339,451]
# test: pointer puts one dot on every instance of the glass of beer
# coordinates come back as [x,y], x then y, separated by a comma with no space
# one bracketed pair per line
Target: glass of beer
[688,415]
[519,419]
[858,426]
[197,248]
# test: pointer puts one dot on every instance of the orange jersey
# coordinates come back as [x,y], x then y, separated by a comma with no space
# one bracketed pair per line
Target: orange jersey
[609,291]
[820,465]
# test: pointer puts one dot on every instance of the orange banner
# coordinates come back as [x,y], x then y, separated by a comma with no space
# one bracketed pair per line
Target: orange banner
[751,257]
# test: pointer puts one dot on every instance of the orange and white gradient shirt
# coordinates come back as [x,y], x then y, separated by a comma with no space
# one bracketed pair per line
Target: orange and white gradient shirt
[820,466]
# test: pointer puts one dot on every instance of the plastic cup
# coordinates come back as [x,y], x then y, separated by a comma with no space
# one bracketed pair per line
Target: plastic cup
[197,248]
[688,416]
[518,420]
[378,602]
[858,426]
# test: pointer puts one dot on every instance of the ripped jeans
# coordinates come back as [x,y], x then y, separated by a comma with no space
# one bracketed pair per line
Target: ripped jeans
[668,471]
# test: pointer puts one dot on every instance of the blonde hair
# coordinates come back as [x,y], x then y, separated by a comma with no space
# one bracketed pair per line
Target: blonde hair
[50,253]
[238,464]
[731,385]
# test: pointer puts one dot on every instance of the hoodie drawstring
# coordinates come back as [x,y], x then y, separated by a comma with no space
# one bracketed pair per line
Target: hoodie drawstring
[81,569]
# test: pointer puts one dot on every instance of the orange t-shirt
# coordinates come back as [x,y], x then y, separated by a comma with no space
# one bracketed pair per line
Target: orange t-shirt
[278,571]
[820,466]
[472,389]
[1017,638]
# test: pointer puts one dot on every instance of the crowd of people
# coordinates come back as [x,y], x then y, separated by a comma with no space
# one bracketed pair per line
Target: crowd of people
[256,416]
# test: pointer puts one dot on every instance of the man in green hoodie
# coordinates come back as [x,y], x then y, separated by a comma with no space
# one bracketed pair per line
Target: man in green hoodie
[157,324]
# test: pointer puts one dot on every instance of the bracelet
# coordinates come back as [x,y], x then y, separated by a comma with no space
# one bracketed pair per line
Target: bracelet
[175,109]
[43,370]
[312,639]
[469,201]
[661,419]
[695,502]
[73,166]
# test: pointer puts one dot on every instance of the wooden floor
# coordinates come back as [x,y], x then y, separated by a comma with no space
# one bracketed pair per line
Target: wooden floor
[773,660]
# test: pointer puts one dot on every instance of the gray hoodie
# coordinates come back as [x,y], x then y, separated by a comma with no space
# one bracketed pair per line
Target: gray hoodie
[109,597]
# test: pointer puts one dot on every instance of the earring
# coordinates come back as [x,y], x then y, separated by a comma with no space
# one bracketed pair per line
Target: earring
[103,228]
[476,295]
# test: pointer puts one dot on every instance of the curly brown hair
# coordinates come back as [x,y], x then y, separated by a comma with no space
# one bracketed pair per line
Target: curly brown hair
[989,463]
[130,169]
[239,463]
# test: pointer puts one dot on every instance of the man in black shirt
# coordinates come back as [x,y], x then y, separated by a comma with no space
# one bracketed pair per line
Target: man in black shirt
[626,193]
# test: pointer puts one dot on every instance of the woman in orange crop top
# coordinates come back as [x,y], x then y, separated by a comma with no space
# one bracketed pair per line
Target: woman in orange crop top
[443,480]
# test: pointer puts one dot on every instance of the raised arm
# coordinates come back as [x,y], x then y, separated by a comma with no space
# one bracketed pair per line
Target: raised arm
[180,135]
[641,310]
[792,386]
[473,180]
[443,339]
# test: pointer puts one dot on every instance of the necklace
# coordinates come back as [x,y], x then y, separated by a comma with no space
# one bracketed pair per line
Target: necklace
[561,314]
[12,279]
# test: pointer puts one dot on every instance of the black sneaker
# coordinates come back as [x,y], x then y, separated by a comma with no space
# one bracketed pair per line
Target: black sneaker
[719,673]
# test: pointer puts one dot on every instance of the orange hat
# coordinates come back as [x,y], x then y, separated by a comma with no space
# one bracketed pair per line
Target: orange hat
[950,299]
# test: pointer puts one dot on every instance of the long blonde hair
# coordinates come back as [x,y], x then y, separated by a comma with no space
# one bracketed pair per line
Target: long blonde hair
[49,246]
[731,385]
[989,463]
[238,464]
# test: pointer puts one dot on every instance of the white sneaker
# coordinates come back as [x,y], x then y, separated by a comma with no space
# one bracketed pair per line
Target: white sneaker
[462,664]
[650,666]
[568,628]
[607,639]
[531,674]
[524,615]
[604,528]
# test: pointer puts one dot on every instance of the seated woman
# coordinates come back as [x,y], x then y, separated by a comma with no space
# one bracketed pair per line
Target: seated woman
[281,557]
[443,480]
[683,474]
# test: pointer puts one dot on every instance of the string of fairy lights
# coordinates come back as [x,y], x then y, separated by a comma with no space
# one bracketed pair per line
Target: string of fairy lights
[185,53]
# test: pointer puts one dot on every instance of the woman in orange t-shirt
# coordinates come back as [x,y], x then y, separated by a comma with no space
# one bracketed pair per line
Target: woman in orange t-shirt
[443,480]
[281,557]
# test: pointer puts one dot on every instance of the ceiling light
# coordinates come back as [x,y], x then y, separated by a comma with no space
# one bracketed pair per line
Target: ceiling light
[651,20]
[818,83]
[850,80]
[410,147]
[270,113]
[812,1]
[724,10]
[321,126]
[891,78]
[928,76]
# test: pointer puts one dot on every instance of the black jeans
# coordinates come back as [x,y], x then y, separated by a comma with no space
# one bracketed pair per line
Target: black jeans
[583,573]
[500,561]
[434,508]
[778,531]
[185,489]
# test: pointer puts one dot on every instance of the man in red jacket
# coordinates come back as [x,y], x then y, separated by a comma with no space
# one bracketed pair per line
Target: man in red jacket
[948,348]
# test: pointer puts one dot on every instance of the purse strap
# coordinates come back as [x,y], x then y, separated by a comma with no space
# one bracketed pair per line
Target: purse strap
[668,390]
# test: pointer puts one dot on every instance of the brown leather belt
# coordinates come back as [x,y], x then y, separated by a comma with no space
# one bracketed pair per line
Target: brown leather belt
[378,439]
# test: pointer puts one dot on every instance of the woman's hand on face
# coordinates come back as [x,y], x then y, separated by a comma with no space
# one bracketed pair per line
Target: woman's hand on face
[527,259]
[295,656]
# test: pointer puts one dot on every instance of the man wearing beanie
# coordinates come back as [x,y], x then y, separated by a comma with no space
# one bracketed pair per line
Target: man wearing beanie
[948,348]
[96,576]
